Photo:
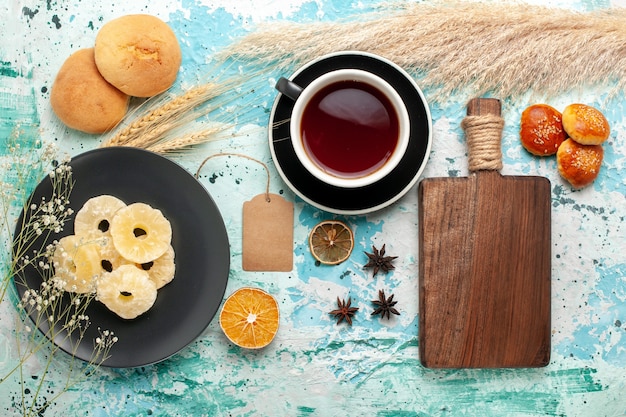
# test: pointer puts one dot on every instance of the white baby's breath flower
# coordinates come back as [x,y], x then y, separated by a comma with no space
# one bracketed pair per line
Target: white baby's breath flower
[28,162]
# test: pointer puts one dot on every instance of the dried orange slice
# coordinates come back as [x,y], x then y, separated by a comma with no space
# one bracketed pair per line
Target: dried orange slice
[331,242]
[249,318]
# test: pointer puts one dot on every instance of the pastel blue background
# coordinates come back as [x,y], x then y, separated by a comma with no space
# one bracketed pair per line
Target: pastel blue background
[315,367]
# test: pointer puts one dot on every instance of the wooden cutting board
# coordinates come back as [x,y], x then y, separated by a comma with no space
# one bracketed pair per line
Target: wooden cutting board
[484,261]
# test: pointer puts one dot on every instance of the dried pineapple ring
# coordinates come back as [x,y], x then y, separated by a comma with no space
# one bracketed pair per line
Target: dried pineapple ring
[94,218]
[127,291]
[77,263]
[140,233]
[110,258]
[162,269]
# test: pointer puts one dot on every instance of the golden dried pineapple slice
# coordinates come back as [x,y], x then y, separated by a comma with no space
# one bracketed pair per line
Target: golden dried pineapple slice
[77,263]
[140,233]
[110,258]
[127,291]
[162,269]
[94,218]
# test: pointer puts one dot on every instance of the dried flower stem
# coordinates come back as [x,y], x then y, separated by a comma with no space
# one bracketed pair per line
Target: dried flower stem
[507,48]
[60,316]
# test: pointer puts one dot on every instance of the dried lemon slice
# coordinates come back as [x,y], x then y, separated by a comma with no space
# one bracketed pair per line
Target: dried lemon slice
[331,242]
[249,318]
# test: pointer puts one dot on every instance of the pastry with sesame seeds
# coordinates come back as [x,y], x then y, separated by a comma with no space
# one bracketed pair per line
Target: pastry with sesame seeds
[585,124]
[541,130]
[579,164]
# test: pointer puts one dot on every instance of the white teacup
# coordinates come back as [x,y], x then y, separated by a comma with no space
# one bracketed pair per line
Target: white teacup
[349,127]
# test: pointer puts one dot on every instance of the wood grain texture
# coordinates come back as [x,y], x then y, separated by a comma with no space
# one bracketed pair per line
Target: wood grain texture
[485,254]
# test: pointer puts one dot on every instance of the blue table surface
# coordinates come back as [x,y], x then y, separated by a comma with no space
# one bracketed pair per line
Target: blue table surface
[315,367]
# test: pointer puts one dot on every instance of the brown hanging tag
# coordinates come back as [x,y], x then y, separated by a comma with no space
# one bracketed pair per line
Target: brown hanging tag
[267,235]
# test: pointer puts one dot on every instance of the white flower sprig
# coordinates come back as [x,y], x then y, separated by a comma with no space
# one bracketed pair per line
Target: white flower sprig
[44,304]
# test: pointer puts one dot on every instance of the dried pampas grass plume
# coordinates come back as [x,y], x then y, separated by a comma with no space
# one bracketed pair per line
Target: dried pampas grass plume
[474,47]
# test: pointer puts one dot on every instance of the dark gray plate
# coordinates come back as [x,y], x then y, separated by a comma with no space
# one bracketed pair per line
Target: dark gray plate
[184,307]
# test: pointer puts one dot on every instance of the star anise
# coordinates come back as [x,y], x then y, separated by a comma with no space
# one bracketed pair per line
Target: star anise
[379,261]
[385,305]
[344,311]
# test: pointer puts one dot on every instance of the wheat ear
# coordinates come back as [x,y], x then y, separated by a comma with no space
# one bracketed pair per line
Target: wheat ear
[185,141]
[142,131]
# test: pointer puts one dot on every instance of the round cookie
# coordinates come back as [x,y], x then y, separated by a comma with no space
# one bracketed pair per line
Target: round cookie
[579,164]
[541,129]
[585,124]
[139,54]
[83,99]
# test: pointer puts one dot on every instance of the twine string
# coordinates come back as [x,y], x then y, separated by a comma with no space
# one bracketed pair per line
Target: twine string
[484,141]
[267,171]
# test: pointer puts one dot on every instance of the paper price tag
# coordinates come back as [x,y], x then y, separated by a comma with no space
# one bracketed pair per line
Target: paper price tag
[267,230]
[267,234]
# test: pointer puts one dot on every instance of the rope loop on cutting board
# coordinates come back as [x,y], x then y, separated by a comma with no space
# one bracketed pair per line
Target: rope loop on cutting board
[484,141]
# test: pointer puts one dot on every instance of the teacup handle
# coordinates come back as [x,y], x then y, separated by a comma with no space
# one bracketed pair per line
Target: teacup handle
[288,88]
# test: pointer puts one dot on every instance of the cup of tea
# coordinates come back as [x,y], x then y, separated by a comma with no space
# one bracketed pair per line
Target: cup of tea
[349,127]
